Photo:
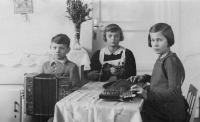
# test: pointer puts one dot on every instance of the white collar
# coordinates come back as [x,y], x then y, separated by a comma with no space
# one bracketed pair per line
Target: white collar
[60,61]
[163,55]
[118,51]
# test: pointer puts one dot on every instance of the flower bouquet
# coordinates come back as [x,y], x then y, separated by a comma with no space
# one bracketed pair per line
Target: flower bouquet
[78,13]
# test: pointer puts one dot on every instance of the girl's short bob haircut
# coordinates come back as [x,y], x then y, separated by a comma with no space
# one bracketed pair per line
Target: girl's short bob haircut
[165,29]
[113,28]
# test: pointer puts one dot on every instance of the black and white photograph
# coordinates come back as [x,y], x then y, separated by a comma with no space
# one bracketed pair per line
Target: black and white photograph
[100,61]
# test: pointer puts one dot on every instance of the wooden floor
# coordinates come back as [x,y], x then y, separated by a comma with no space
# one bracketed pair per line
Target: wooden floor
[196,119]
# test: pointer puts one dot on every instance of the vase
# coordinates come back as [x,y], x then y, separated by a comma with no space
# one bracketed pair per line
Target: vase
[77,45]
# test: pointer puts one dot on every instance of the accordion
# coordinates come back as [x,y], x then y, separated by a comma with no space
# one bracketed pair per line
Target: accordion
[118,90]
[42,91]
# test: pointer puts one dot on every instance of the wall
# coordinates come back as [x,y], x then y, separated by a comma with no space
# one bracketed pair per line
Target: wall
[190,44]
[48,19]
[34,35]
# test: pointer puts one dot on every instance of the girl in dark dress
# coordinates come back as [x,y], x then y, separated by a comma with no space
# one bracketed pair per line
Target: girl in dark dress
[116,61]
[163,99]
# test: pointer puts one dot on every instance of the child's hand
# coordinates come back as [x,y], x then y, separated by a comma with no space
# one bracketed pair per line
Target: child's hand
[137,78]
[115,71]
[93,74]
[139,90]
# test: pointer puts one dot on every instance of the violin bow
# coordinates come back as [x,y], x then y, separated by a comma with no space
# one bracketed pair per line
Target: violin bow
[100,73]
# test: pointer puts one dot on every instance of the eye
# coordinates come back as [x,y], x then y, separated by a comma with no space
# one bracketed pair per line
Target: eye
[109,36]
[116,36]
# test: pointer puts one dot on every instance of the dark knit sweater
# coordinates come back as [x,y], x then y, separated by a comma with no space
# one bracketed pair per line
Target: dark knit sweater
[164,97]
[166,88]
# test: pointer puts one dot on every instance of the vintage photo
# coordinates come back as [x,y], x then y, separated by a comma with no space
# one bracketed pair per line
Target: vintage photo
[100,61]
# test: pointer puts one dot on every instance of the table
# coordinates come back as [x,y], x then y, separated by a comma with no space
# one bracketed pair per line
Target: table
[84,105]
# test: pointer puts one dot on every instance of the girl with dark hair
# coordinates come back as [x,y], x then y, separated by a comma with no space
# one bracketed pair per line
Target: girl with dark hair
[163,99]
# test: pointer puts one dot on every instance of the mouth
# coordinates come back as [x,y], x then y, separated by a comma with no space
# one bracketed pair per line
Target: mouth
[156,49]
[57,54]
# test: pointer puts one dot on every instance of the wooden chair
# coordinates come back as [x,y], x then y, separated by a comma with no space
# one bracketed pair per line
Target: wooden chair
[192,101]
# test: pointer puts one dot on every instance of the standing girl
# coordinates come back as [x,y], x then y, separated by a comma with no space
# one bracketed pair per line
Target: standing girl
[114,61]
[163,99]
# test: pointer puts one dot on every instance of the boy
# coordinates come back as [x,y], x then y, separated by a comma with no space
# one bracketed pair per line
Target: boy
[59,64]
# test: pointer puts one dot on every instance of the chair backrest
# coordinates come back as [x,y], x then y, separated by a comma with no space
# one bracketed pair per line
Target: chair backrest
[192,101]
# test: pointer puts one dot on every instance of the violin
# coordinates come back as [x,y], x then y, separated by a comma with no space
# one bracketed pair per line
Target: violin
[105,71]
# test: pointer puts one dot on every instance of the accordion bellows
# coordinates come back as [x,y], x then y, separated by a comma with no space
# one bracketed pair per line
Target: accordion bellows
[42,91]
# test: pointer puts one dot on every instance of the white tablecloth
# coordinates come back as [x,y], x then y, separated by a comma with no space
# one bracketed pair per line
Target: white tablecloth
[84,105]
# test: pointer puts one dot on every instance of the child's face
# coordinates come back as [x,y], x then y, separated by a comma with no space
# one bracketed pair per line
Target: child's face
[59,50]
[113,38]
[159,43]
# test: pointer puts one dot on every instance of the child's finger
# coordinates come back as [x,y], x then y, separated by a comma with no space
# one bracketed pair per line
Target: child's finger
[136,78]
[132,78]
[112,68]
[133,88]
[133,95]
[140,78]
[139,92]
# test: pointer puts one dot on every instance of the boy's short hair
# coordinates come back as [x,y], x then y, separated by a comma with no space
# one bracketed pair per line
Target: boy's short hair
[113,28]
[165,29]
[61,39]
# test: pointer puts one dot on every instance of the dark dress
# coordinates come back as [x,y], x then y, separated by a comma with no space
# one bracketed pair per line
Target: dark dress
[130,65]
[165,102]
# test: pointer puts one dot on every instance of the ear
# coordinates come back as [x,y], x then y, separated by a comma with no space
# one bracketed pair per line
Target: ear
[68,49]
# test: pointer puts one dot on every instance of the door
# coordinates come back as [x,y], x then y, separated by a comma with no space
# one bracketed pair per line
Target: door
[10,103]
[135,17]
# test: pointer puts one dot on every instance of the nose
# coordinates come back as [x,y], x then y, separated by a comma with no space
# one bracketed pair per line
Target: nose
[113,38]
[57,50]
[154,43]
